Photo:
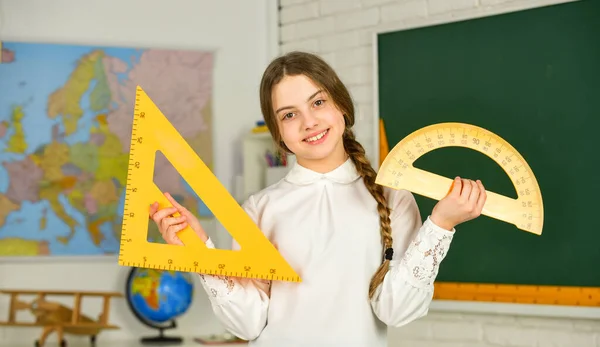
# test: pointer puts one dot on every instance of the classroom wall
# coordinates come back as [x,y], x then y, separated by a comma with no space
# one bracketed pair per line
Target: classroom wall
[341,31]
[240,31]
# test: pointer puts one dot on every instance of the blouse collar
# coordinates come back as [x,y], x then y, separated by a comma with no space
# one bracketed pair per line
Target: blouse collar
[344,174]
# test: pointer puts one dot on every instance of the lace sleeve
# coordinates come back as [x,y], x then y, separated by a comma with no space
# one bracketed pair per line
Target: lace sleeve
[220,288]
[420,263]
[419,248]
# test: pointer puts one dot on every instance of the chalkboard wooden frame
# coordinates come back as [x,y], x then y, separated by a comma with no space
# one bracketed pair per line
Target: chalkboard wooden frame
[510,304]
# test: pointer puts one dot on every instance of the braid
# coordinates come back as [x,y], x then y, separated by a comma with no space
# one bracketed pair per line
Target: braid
[357,154]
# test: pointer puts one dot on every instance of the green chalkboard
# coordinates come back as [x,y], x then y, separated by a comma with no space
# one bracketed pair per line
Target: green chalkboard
[533,78]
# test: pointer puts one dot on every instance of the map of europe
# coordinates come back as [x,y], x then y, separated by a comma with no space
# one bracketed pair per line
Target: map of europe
[66,113]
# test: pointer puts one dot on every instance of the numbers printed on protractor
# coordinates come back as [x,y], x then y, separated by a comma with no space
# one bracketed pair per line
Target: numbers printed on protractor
[152,132]
[397,171]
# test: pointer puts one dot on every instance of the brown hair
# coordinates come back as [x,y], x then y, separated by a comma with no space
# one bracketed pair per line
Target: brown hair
[315,68]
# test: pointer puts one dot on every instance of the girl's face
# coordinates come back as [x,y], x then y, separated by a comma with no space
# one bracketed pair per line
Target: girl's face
[310,124]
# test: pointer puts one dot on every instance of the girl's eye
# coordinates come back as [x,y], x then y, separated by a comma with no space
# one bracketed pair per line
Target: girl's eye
[319,102]
[288,115]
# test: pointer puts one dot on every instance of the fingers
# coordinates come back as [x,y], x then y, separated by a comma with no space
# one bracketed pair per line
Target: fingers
[170,221]
[456,187]
[474,195]
[476,198]
[170,233]
[173,201]
[173,224]
[153,208]
[170,226]
[466,190]
[161,214]
[482,197]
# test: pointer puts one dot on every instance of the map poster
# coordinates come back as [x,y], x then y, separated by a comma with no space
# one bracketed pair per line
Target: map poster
[66,113]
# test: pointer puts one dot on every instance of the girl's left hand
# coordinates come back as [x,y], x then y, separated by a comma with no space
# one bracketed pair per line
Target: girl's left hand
[464,202]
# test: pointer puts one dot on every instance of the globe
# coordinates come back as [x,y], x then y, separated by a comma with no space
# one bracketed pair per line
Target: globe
[157,298]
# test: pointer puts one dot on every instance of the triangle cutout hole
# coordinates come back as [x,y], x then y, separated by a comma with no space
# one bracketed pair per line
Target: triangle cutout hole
[168,180]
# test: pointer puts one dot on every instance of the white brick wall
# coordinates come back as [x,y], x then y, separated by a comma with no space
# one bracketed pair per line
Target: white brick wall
[470,330]
[341,31]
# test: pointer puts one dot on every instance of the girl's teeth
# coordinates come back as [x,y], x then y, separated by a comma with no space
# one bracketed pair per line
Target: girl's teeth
[315,138]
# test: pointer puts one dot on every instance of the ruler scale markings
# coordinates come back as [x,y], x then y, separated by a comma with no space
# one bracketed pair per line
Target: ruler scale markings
[151,131]
[397,172]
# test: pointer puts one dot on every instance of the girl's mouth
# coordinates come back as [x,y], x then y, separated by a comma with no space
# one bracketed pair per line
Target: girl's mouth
[319,138]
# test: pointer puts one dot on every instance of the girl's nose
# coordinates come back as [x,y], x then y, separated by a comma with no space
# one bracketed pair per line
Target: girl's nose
[310,121]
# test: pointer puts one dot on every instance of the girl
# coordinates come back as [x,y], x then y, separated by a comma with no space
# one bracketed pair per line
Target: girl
[366,259]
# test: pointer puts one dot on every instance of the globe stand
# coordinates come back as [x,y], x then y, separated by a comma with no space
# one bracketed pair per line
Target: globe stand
[161,339]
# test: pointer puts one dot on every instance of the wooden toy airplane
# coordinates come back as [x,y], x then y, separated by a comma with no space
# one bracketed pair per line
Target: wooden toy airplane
[56,317]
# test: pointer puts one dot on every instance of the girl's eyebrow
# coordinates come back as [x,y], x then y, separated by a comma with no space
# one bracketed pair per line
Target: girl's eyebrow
[310,97]
[315,94]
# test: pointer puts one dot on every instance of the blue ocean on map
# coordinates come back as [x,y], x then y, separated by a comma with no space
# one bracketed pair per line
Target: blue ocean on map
[27,81]
[33,73]
[37,71]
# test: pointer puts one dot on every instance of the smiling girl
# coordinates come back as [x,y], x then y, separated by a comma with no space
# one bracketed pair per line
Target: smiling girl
[366,259]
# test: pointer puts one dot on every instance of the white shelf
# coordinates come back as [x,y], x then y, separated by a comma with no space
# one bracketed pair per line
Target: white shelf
[255,145]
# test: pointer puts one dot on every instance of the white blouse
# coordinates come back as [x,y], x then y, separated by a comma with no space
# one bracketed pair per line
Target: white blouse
[327,227]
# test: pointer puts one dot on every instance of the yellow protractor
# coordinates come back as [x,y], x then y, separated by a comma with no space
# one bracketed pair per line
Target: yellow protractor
[398,172]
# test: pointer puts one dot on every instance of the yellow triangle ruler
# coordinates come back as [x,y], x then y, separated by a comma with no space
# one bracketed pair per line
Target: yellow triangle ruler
[152,132]
[397,171]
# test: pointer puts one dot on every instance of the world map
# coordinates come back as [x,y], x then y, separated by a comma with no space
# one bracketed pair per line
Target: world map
[66,113]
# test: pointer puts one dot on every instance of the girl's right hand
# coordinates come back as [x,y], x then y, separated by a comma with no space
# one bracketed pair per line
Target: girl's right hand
[169,226]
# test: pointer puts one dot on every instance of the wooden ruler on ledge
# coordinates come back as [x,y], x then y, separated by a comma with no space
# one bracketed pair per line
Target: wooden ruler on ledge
[519,294]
